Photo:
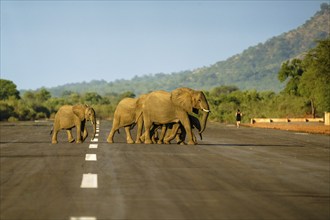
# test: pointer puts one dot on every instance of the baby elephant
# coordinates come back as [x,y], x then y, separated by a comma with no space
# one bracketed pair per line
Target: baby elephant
[69,116]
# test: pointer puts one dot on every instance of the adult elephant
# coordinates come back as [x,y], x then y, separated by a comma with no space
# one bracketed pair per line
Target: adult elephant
[161,107]
[68,117]
[128,113]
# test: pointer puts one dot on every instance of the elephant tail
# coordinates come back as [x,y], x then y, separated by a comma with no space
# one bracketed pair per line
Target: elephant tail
[51,131]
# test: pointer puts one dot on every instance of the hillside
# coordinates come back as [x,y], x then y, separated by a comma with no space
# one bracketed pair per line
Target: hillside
[255,68]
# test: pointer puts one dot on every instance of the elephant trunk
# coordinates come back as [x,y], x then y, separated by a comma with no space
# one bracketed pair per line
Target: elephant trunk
[204,120]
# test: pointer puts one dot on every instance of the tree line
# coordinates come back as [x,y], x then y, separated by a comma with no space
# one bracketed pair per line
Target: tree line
[306,94]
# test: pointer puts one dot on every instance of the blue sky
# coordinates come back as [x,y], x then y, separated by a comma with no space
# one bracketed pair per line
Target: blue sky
[50,43]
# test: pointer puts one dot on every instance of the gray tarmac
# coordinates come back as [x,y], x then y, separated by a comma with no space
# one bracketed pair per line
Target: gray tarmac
[234,173]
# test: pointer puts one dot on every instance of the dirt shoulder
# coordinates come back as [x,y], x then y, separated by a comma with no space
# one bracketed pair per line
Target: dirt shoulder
[310,127]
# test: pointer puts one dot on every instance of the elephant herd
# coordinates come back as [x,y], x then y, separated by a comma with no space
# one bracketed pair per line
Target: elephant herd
[170,111]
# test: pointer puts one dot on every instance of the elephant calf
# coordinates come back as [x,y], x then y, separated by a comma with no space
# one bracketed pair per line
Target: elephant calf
[177,131]
[69,116]
[174,130]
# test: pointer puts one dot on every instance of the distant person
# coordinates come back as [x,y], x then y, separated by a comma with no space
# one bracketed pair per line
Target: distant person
[238,117]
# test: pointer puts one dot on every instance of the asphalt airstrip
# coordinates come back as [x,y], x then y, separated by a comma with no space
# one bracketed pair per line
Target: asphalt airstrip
[233,173]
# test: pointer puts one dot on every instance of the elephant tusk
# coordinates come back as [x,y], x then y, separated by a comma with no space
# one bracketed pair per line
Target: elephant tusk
[205,110]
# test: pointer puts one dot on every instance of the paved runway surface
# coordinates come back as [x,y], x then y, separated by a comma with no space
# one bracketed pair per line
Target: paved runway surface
[245,173]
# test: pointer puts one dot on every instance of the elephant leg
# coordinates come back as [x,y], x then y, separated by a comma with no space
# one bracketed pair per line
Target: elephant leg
[186,124]
[78,134]
[129,139]
[162,135]
[70,137]
[154,133]
[54,137]
[55,131]
[147,126]
[190,138]
[181,136]
[194,138]
[85,134]
[139,130]
[167,135]
[178,139]
[113,130]
[173,133]
[142,138]
[110,136]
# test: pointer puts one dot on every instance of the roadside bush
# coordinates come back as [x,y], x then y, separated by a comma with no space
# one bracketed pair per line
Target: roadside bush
[5,111]
[24,112]
[12,119]
[104,111]
[41,115]
[41,110]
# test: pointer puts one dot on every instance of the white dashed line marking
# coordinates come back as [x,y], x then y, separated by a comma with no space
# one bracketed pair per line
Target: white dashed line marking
[83,218]
[90,157]
[93,145]
[89,180]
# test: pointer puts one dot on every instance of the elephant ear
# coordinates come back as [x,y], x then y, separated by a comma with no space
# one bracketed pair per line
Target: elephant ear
[182,97]
[79,111]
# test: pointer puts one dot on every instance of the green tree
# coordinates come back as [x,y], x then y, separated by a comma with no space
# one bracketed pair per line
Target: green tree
[34,105]
[127,94]
[92,98]
[309,77]
[292,71]
[8,89]
[223,90]
[29,96]
[316,78]
[66,93]
[6,111]
[42,95]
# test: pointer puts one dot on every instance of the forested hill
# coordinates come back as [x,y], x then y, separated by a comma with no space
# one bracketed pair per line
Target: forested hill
[255,68]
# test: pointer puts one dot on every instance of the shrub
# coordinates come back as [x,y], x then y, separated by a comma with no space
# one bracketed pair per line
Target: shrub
[12,119]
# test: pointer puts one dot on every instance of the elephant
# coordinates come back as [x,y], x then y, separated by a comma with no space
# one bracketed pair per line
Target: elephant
[155,137]
[161,107]
[128,113]
[69,116]
[173,130]
[177,131]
